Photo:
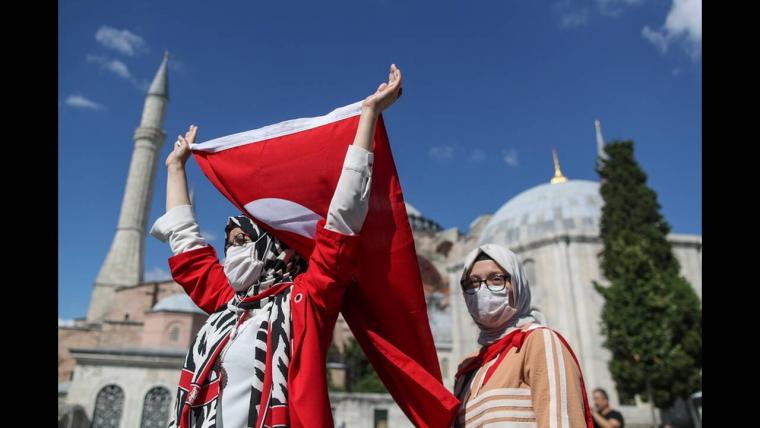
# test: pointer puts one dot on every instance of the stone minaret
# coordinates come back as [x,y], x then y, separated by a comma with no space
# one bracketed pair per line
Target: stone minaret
[599,140]
[123,265]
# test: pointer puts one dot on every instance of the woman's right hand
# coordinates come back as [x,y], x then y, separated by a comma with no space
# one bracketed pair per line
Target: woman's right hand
[178,157]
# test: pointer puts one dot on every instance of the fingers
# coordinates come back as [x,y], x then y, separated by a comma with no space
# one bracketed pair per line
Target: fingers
[190,134]
[181,143]
[382,87]
[394,78]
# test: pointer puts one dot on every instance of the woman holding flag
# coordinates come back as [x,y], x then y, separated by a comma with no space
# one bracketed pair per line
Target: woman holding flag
[259,360]
[525,374]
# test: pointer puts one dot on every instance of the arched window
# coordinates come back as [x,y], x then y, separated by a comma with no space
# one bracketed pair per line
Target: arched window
[174,333]
[108,407]
[530,272]
[155,411]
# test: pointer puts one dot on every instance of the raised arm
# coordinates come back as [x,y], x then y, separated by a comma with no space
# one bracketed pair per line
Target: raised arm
[195,265]
[178,225]
[349,205]
[333,260]
[385,95]
[176,180]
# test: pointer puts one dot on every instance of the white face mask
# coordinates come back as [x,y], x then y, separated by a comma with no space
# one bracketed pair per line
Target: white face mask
[489,309]
[241,268]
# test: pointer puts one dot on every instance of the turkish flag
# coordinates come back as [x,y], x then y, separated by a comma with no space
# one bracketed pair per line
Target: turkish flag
[283,176]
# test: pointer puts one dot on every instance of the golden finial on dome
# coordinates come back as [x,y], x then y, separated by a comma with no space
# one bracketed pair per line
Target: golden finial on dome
[558,177]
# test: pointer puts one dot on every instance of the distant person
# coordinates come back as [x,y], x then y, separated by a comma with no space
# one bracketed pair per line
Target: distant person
[525,374]
[604,416]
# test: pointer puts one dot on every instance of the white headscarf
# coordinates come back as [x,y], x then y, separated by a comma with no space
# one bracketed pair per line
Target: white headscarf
[524,315]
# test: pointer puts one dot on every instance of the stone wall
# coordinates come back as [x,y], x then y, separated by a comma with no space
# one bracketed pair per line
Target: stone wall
[135,382]
[364,410]
[72,337]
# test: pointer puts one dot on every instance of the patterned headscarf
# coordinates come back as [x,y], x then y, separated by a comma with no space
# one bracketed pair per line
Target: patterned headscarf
[281,263]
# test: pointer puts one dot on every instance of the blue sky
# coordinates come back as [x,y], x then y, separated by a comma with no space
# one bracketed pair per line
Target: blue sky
[490,87]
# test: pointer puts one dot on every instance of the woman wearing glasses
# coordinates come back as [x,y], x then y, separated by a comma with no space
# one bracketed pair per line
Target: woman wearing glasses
[259,359]
[525,374]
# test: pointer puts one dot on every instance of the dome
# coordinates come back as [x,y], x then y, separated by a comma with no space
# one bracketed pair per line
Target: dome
[573,207]
[179,302]
[410,210]
[420,223]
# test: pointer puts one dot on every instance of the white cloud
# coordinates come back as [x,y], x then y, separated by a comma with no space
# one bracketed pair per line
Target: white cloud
[685,17]
[684,24]
[113,65]
[156,274]
[574,19]
[208,236]
[65,323]
[441,152]
[122,41]
[97,59]
[476,155]
[615,7]
[510,157]
[576,13]
[656,38]
[78,101]
[119,68]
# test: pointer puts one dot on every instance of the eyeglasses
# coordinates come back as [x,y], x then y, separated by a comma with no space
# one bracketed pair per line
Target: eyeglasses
[240,239]
[494,282]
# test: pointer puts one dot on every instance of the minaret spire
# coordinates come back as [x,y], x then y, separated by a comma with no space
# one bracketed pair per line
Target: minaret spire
[124,263]
[599,140]
[558,177]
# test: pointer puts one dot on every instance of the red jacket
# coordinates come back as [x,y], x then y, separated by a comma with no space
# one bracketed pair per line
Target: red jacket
[317,296]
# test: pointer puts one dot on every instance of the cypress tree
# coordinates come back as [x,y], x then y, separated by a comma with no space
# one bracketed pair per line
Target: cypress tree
[652,318]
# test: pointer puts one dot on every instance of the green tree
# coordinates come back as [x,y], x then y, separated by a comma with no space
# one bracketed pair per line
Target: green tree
[333,356]
[651,319]
[360,375]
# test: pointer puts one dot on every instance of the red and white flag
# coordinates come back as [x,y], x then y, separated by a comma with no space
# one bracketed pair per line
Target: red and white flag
[284,176]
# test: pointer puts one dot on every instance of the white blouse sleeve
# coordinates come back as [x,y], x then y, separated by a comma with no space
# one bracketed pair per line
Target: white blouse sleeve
[178,226]
[350,203]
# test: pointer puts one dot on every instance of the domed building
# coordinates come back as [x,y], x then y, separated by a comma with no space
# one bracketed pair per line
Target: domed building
[129,368]
[119,365]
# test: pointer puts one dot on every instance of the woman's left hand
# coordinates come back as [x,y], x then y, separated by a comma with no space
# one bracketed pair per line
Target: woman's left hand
[386,94]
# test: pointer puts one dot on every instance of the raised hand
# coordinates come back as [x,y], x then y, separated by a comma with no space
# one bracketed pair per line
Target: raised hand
[178,157]
[386,94]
